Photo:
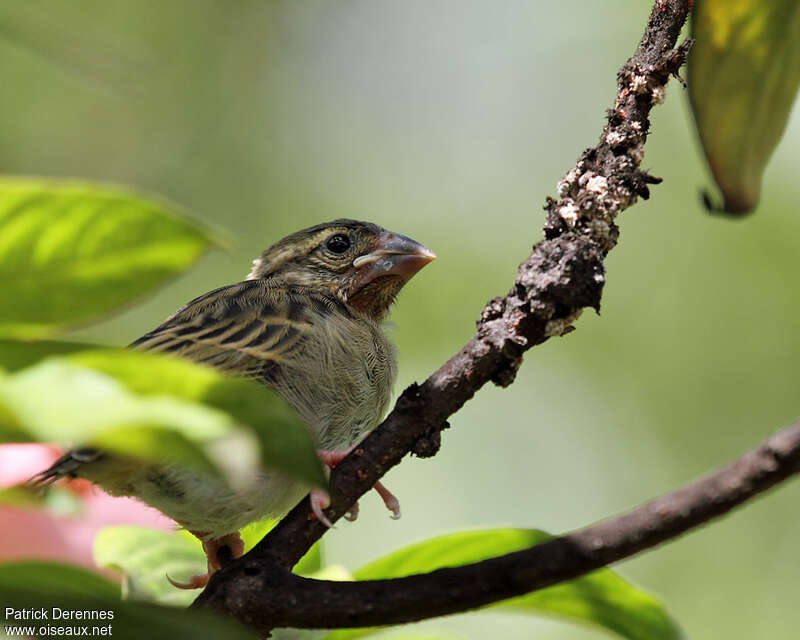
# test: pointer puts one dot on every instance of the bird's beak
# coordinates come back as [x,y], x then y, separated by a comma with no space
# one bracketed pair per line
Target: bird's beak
[392,255]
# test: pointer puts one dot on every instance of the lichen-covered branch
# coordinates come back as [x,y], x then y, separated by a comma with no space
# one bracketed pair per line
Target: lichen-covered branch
[563,275]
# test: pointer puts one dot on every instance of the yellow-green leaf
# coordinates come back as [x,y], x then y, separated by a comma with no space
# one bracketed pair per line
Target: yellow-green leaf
[601,598]
[153,406]
[283,437]
[58,401]
[145,557]
[71,252]
[309,564]
[744,73]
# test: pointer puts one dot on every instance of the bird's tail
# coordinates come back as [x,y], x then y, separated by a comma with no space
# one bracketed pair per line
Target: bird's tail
[65,466]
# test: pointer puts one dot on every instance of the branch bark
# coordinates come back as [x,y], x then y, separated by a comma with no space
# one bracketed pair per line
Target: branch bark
[265,598]
[563,275]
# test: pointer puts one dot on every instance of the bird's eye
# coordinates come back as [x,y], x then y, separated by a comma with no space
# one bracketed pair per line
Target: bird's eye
[338,243]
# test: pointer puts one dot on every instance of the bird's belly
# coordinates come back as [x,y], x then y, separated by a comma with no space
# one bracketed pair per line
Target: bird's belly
[200,503]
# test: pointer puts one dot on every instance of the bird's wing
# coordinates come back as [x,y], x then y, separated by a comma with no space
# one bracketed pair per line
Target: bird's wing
[248,328]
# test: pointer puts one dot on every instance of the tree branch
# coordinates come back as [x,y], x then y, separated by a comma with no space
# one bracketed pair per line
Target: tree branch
[266,600]
[563,275]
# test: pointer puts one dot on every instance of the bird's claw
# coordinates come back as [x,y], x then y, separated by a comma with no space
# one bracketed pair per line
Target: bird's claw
[211,547]
[195,582]
[321,499]
[389,499]
[352,513]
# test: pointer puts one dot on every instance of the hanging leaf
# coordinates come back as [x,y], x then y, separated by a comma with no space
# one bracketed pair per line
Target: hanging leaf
[744,73]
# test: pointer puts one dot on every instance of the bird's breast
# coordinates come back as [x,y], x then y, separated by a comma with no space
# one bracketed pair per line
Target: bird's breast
[340,377]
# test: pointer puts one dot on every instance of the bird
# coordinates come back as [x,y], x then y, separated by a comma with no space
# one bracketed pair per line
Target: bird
[307,323]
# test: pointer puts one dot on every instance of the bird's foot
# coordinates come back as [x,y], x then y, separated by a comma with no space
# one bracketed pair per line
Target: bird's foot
[211,548]
[320,499]
[389,499]
[198,581]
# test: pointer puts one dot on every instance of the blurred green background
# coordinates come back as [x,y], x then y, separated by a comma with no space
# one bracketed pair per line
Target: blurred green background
[450,121]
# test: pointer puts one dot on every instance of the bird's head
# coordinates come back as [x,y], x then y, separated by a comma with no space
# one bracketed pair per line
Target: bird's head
[359,263]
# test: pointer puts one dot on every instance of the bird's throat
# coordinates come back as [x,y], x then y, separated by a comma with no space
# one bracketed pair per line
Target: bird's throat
[375,297]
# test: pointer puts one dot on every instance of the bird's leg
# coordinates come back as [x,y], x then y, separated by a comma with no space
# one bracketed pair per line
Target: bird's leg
[211,547]
[322,500]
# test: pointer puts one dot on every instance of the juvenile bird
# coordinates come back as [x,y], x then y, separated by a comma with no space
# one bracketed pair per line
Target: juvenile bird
[305,322]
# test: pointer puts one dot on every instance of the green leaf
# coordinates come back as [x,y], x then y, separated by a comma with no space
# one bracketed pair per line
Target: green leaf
[16,355]
[58,588]
[600,598]
[385,635]
[284,439]
[21,496]
[72,252]
[420,636]
[58,401]
[146,556]
[153,406]
[58,501]
[56,577]
[744,73]
[255,531]
[309,564]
